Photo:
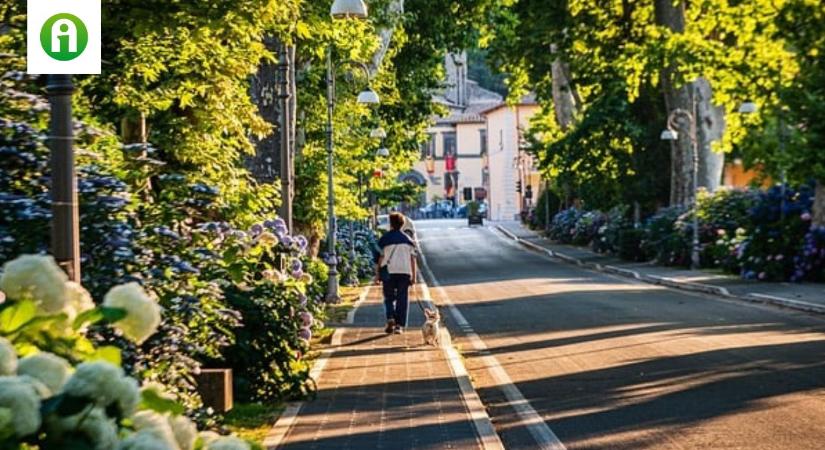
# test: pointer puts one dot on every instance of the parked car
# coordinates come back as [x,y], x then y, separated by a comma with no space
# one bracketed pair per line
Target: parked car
[383,222]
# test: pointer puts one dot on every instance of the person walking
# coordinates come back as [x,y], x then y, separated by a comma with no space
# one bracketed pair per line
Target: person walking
[396,270]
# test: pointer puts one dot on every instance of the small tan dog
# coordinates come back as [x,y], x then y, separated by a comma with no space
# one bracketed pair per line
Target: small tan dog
[431,330]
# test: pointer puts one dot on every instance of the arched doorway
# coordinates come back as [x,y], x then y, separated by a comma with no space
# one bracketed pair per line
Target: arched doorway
[418,179]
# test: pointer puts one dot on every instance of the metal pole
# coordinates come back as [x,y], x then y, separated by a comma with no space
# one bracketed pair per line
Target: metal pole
[784,174]
[352,241]
[694,256]
[66,220]
[332,287]
[286,141]
[547,206]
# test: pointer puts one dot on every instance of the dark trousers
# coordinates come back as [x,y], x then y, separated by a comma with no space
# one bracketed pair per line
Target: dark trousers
[396,297]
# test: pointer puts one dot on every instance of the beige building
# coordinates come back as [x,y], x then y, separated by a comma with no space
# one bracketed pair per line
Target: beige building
[454,157]
[509,165]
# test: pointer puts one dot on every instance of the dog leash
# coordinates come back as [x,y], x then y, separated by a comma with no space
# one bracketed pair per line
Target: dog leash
[418,301]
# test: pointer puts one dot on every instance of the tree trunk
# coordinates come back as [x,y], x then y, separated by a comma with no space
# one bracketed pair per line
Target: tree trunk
[819,205]
[264,165]
[394,11]
[564,95]
[673,17]
[135,130]
[710,128]
[696,98]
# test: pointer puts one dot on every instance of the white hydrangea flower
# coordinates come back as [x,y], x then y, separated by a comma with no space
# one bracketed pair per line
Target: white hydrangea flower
[8,358]
[185,431]
[49,369]
[78,300]
[228,443]
[42,390]
[6,422]
[208,437]
[144,440]
[98,427]
[157,425]
[142,313]
[37,277]
[18,395]
[105,384]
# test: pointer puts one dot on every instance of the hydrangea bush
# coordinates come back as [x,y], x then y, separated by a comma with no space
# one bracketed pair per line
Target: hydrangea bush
[184,241]
[356,247]
[563,225]
[58,390]
[760,235]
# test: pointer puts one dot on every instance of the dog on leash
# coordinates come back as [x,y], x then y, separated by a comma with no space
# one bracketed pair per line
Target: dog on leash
[431,330]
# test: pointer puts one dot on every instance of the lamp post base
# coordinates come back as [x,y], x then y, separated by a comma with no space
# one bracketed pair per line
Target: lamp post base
[332,286]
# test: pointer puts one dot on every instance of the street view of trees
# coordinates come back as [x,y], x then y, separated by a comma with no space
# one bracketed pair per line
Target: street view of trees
[174,214]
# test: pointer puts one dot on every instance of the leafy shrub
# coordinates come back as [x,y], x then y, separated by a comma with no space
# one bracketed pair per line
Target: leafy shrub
[722,217]
[777,235]
[587,227]
[538,215]
[810,263]
[630,243]
[355,252]
[661,242]
[608,239]
[563,226]
[57,390]
[107,236]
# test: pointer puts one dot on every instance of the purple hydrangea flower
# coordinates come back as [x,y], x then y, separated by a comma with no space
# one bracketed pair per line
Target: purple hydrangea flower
[256,229]
[306,318]
[305,334]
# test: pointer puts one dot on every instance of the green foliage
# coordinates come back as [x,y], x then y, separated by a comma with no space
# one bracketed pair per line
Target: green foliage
[802,24]
[408,74]
[616,54]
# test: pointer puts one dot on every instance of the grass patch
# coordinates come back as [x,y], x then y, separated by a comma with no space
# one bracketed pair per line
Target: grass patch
[338,313]
[252,421]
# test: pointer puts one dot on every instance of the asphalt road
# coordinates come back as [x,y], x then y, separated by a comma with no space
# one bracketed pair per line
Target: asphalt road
[609,363]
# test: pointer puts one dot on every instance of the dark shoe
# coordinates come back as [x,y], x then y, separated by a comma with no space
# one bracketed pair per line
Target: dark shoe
[398,330]
[390,326]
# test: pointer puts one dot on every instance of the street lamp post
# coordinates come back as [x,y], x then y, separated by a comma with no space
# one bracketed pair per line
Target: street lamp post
[341,9]
[66,218]
[670,134]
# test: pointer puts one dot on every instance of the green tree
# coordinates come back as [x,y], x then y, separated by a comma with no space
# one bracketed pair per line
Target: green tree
[604,48]
[802,23]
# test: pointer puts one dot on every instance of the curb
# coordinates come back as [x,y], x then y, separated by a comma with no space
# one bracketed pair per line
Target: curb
[485,431]
[282,426]
[719,291]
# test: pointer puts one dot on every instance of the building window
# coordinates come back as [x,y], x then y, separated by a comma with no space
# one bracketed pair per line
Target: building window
[428,147]
[482,135]
[449,142]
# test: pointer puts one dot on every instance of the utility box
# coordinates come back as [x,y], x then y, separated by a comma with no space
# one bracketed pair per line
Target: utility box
[215,387]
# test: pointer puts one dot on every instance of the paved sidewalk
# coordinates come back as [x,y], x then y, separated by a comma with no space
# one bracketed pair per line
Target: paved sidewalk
[380,391]
[807,297]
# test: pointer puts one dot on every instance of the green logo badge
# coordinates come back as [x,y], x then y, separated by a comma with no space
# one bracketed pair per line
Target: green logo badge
[64,37]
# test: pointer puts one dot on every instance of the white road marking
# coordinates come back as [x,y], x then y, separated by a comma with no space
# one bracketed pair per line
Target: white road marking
[528,416]
[481,420]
